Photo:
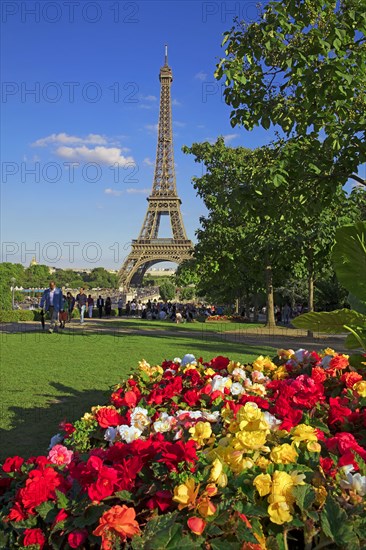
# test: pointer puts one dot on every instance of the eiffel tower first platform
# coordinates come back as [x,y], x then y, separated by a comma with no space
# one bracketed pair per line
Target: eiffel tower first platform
[149,249]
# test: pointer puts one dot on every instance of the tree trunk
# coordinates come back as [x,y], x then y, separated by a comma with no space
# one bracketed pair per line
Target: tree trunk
[247,305]
[270,323]
[255,315]
[310,292]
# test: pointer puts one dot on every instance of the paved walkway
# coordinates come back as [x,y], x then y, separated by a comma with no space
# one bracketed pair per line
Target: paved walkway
[278,337]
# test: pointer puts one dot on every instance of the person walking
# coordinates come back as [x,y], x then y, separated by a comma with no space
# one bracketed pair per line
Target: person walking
[52,301]
[100,306]
[120,306]
[70,305]
[108,306]
[81,301]
[90,303]
[286,312]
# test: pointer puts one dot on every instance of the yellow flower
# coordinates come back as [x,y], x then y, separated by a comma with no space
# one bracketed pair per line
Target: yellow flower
[209,372]
[236,460]
[320,495]
[280,373]
[262,462]
[303,432]
[251,418]
[284,454]
[329,351]
[313,447]
[88,417]
[263,364]
[258,389]
[233,365]
[360,388]
[206,508]
[279,512]
[216,470]
[186,494]
[227,414]
[263,484]
[282,484]
[146,367]
[249,440]
[200,432]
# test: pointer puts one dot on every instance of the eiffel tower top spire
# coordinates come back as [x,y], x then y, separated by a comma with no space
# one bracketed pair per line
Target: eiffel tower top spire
[166,54]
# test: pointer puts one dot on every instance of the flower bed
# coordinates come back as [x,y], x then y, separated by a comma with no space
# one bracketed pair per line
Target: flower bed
[214,455]
[227,318]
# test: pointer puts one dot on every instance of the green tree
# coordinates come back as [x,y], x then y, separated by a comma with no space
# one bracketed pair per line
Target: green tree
[100,277]
[37,276]
[9,271]
[167,291]
[301,67]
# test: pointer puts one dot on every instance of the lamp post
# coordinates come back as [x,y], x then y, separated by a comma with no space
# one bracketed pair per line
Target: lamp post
[13,281]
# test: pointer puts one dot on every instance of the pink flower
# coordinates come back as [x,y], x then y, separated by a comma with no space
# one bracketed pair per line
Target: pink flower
[60,455]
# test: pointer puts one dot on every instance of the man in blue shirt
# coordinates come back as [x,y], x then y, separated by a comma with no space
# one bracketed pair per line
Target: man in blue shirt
[52,301]
[81,300]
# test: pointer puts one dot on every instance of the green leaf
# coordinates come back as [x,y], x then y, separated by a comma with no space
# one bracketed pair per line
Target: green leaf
[125,496]
[330,322]
[305,496]
[349,258]
[62,500]
[44,508]
[336,524]
[356,304]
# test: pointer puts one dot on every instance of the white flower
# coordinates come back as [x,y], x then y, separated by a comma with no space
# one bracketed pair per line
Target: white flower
[129,433]
[177,360]
[140,418]
[188,359]
[271,420]
[218,383]
[300,355]
[239,372]
[164,424]
[237,389]
[110,434]
[211,416]
[326,360]
[356,482]
[348,468]
[55,440]
[192,414]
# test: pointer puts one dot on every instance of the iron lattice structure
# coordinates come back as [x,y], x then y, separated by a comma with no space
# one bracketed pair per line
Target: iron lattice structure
[149,249]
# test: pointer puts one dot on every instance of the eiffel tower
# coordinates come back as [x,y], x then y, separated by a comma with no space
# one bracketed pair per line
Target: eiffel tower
[149,249]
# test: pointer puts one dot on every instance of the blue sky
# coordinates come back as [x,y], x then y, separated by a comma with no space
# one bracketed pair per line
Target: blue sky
[80,85]
[93,68]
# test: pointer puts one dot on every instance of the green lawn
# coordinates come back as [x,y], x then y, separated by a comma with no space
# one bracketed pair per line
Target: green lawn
[211,326]
[48,377]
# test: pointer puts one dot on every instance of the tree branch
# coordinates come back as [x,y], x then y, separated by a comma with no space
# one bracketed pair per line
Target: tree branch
[358,179]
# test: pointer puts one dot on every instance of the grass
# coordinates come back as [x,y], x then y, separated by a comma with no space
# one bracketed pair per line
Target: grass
[213,326]
[49,377]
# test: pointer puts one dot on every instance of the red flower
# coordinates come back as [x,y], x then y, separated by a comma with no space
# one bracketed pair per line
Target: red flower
[161,500]
[13,464]
[34,536]
[17,513]
[196,525]
[338,362]
[108,416]
[104,486]
[39,487]
[61,516]
[350,378]
[344,443]
[191,397]
[328,466]
[318,374]
[219,363]
[77,538]
[338,412]
[67,427]
[174,453]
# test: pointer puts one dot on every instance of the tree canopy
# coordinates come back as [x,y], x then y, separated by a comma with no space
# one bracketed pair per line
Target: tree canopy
[302,68]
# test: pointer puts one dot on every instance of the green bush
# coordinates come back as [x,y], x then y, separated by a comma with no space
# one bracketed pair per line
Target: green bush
[19,315]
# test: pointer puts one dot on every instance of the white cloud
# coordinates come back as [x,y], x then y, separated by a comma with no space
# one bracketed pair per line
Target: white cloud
[145,106]
[113,192]
[102,155]
[148,161]
[65,139]
[201,76]
[176,103]
[149,98]
[179,124]
[229,137]
[152,127]
[134,191]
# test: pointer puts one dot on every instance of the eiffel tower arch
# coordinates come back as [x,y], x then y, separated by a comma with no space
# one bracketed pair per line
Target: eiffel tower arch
[149,249]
